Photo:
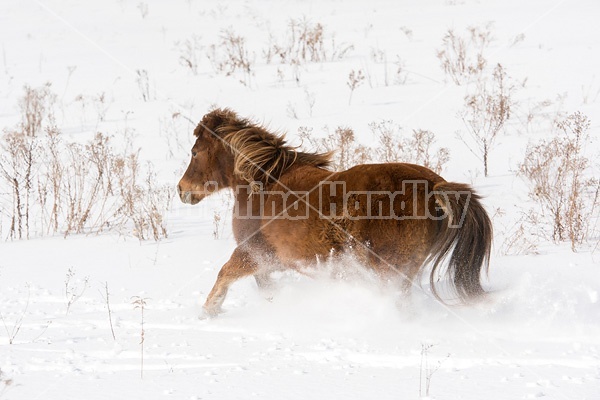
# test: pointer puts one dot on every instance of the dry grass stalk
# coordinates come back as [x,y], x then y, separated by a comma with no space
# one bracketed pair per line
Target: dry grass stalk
[13,331]
[140,303]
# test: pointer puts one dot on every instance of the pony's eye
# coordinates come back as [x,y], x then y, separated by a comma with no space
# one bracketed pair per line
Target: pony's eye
[194,153]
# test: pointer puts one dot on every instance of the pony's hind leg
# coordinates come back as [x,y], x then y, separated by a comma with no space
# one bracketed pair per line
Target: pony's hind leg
[240,264]
[265,284]
[400,273]
[407,281]
[263,280]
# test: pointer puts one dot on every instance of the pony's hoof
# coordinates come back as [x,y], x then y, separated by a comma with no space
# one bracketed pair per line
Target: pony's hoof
[208,313]
[203,316]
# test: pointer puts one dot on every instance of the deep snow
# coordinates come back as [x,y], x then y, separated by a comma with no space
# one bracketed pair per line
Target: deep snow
[538,336]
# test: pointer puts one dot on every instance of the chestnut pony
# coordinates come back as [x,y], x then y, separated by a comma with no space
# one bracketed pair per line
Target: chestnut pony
[291,210]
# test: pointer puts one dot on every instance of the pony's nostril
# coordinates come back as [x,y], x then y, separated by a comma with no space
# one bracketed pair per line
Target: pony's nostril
[183,195]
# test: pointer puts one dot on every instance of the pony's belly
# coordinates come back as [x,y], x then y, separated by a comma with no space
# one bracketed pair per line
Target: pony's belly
[298,240]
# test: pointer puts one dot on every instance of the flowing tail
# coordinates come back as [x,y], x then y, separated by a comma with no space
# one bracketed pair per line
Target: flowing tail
[465,234]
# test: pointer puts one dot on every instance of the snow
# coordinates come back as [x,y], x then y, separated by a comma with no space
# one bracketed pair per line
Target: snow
[536,336]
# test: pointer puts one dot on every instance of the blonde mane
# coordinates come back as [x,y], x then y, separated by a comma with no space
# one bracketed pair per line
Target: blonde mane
[259,155]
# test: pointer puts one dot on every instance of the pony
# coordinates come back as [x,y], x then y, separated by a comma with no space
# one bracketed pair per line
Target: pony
[291,210]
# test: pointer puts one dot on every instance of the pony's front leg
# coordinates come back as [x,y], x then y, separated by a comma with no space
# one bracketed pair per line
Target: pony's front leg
[240,264]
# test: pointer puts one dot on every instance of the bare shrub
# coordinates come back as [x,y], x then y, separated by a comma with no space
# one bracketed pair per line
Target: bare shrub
[422,140]
[51,185]
[174,129]
[12,329]
[562,181]
[154,202]
[101,104]
[462,57]
[536,114]
[518,240]
[88,182]
[143,7]
[485,113]
[416,149]
[517,39]
[230,55]
[70,71]
[391,147]
[189,53]
[304,42]
[407,32]
[73,290]
[143,83]
[106,298]
[355,79]
[427,370]
[535,111]
[76,190]
[519,236]
[83,102]
[590,93]
[36,105]
[347,152]
[17,168]
[50,182]
[310,99]
[216,224]
[141,206]
[401,75]
[290,110]
[378,55]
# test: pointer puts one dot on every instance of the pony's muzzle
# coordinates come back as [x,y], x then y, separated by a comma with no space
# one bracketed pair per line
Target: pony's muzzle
[184,195]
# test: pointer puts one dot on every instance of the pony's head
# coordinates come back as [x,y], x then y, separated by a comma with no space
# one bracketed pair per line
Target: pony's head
[211,162]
